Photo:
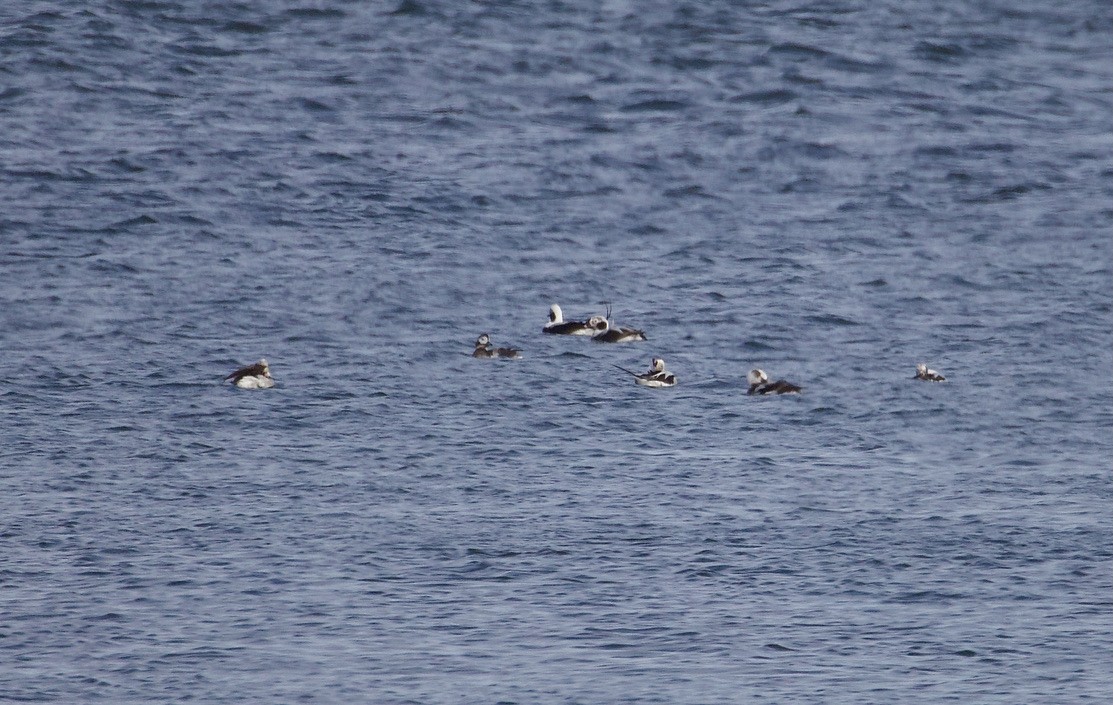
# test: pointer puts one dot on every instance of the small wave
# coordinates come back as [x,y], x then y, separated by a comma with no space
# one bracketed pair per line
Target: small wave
[926,596]
[693,63]
[317,13]
[654,105]
[207,51]
[693,191]
[409,8]
[936,150]
[757,345]
[76,175]
[125,166]
[938,52]
[1008,193]
[852,65]
[991,147]
[315,106]
[245,27]
[771,97]
[56,65]
[11,92]
[792,49]
[831,319]
[129,223]
[580,99]
[335,158]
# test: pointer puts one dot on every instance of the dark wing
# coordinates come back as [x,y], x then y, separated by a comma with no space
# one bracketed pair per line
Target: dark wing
[250,370]
[665,377]
[782,387]
[565,328]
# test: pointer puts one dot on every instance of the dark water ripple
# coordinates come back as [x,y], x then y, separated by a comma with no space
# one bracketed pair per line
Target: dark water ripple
[831,191]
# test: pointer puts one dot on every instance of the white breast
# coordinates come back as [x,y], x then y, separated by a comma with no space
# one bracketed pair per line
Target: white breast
[255,382]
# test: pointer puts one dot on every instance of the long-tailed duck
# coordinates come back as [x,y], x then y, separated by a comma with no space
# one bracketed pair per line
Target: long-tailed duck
[760,384]
[558,326]
[257,376]
[922,372]
[604,333]
[483,348]
[657,376]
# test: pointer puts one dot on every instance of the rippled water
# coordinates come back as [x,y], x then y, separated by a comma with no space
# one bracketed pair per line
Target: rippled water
[831,191]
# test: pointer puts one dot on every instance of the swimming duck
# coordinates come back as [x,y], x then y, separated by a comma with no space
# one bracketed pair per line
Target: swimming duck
[657,376]
[558,326]
[257,376]
[604,333]
[760,384]
[483,348]
[928,375]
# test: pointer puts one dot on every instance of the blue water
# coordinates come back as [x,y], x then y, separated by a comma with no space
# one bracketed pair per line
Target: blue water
[831,191]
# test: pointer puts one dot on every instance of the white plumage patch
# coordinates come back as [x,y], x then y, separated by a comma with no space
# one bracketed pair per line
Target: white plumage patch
[928,375]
